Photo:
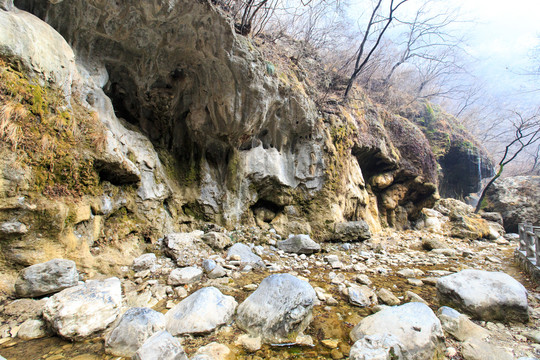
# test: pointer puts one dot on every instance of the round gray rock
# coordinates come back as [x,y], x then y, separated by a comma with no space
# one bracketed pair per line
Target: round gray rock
[134,327]
[299,244]
[413,324]
[201,312]
[485,295]
[46,278]
[279,310]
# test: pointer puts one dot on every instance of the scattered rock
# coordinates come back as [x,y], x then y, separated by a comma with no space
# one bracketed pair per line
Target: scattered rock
[485,295]
[361,296]
[13,228]
[412,297]
[433,243]
[363,279]
[161,346]
[77,312]
[201,312]
[279,310]
[217,240]
[144,262]
[46,278]
[218,272]
[186,248]
[134,327]
[251,344]
[352,231]
[32,329]
[245,255]
[187,275]
[299,244]
[212,351]
[208,265]
[413,324]
[476,349]
[459,326]
[387,297]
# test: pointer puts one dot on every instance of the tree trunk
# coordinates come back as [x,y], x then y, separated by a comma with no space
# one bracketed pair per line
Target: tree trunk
[483,195]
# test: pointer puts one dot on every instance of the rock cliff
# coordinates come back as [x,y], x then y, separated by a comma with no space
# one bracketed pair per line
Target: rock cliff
[200,125]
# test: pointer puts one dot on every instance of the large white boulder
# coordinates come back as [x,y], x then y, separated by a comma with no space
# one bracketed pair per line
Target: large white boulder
[46,278]
[201,312]
[134,327]
[279,310]
[485,295]
[414,325]
[77,312]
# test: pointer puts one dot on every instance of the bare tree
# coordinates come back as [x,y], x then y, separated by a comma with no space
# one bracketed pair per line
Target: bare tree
[362,58]
[526,133]
[428,33]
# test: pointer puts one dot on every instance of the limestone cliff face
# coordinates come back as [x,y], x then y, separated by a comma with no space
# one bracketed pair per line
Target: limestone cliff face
[202,127]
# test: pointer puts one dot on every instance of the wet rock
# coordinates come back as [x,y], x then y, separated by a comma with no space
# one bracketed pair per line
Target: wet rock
[32,329]
[201,312]
[381,346]
[480,350]
[414,325]
[352,231]
[245,255]
[387,297]
[459,326]
[212,351]
[485,295]
[161,346]
[134,327]
[217,240]
[144,262]
[361,296]
[77,312]
[279,310]
[187,275]
[46,278]
[186,248]
[299,244]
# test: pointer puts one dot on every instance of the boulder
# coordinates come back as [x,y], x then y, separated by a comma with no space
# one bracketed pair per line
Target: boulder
[161,346]
[485,295]
[413,324]
[387,297]
[517,199]
[77,312]
[433,243]
[201,312]
[217,240]
[134,327]
[187,275]
[186,248]
[279,310]
[352,231]
[299,244]
[377,347]
[46,278]
[361,296]
[144,262]
[246,256]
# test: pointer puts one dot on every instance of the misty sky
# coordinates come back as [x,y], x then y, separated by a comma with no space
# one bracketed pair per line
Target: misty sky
[502,37]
